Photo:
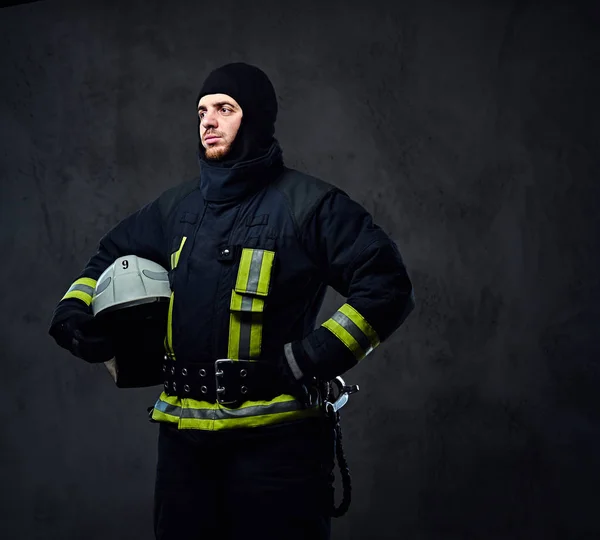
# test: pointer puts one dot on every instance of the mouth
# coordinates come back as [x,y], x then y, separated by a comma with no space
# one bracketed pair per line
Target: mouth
[211,139]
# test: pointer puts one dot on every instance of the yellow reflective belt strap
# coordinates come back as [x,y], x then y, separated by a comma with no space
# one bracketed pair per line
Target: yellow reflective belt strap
[254,274]
[353,330]
[175,255]
[83,289]
[245,326]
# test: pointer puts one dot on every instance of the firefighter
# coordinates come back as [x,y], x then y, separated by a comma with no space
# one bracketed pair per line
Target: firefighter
[250,247]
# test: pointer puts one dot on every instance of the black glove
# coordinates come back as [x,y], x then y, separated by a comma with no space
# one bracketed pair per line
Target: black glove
[84,337]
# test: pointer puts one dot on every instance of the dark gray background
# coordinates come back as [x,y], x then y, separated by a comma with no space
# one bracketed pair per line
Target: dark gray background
[469,129]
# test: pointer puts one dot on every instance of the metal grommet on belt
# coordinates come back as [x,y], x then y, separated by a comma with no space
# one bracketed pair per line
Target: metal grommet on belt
[184,372]
[174,386]
[165,368]
[186,388]
[244,390]
[243,373]
[203,389]
[202,372]
[172,370]
[166,385]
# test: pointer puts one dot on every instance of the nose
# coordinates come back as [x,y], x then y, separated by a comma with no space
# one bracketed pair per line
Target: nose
[209,119]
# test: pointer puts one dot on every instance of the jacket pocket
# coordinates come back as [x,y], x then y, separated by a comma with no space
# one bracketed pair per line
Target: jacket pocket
[247,304]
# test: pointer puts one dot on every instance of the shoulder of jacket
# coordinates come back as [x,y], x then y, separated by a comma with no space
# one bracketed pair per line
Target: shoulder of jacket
[302,192]
[169,199]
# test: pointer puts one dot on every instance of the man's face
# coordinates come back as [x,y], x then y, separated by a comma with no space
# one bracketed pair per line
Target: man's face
[220,117]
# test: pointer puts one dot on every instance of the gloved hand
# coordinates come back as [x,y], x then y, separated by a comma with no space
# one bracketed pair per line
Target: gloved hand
[81,334]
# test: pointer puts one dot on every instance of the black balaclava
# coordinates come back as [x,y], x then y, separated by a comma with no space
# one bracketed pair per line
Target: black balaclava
[253,90]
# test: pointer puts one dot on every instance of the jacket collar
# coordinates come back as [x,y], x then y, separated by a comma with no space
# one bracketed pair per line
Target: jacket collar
[230,184]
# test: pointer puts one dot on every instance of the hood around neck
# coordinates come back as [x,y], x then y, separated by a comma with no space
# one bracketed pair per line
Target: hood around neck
[220,184]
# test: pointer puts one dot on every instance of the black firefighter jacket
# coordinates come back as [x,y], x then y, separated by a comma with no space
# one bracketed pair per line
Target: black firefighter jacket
[266,240]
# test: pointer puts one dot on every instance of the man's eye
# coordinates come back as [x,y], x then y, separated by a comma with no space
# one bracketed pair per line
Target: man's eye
[227,109]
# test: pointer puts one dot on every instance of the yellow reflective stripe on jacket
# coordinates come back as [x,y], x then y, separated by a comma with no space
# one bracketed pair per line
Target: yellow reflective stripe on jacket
[254,274]
[83,289]
[192,414]
[353,330]
[246,307]
[247,304]
[245,326]
[175,255]
[169,337]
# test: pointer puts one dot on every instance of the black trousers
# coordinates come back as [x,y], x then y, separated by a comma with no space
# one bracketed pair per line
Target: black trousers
[269,482]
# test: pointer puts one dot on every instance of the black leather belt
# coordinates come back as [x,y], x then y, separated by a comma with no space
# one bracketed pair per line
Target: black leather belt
[228,382]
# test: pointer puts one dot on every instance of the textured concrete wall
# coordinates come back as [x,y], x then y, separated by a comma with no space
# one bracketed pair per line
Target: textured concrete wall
[470,130]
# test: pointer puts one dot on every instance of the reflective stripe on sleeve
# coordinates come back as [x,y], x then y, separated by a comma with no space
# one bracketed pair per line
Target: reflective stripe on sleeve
[83,289]
[291,359]
[353,330]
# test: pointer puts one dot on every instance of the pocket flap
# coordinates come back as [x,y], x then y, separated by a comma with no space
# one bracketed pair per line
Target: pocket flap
[254,274]
[246,304]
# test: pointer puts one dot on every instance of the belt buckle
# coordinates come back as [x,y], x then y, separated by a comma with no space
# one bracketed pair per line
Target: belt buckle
[221,389]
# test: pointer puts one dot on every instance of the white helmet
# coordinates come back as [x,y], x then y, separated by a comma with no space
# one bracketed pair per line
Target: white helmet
[131,302]
[130,281]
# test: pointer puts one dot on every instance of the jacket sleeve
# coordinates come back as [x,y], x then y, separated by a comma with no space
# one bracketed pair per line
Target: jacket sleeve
[141,234]
[361,262]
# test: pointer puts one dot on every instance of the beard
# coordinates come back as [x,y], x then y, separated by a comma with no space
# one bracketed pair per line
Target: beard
[217,153]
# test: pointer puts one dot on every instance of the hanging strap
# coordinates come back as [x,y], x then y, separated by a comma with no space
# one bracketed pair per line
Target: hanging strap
[332,415]
[340,510]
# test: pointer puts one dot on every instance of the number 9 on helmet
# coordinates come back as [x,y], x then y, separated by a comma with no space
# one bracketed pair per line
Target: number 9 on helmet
[131,302]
